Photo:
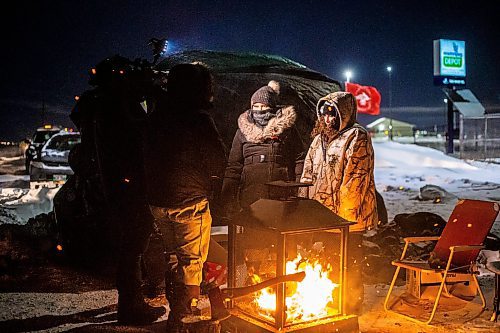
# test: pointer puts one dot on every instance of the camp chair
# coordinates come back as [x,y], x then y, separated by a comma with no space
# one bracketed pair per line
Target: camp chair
[457,249]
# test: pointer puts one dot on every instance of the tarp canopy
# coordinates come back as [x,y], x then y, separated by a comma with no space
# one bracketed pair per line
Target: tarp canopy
[466,103]
[238,75]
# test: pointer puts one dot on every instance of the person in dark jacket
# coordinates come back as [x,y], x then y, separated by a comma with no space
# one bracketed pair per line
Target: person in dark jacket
[266,147]
[184,155]
[109,214]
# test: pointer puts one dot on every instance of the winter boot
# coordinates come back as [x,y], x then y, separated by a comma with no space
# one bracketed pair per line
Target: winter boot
[217,308]
[183,307]
[133,310]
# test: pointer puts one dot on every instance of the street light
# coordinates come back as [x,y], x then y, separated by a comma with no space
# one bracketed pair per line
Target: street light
[389,70]
[348,75]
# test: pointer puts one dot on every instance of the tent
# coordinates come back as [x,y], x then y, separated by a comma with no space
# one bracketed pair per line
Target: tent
[238,75]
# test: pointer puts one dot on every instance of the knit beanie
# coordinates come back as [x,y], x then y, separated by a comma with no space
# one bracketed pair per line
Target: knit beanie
[267,94]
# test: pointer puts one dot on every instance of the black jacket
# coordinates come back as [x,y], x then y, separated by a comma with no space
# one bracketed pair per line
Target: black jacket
[184,155]
[260,155]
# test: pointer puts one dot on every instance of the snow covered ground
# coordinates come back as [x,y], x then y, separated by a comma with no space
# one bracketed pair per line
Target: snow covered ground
[400,171]
[17,205]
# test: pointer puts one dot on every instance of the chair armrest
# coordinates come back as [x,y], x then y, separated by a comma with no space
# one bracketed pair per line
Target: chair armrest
[410,240]
[461,248]
[421,239]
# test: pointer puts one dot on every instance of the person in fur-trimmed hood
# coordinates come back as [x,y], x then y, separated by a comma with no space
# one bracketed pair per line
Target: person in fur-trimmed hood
[339,165]
[266,147]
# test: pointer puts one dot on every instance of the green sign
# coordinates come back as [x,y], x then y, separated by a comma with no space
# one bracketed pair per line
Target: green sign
[452,61]
[449,58]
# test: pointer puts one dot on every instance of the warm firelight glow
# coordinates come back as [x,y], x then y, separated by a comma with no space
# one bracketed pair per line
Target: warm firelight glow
[306,300]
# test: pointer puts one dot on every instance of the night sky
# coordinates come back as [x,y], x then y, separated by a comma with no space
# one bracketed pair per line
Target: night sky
[49,46]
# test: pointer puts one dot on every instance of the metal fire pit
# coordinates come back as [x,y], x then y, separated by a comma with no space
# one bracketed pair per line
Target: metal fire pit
[275,228]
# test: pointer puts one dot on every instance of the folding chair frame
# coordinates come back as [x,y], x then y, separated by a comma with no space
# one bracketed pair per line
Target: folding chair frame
[443,272]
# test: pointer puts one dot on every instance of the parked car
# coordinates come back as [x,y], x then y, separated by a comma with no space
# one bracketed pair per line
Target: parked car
[41,136]
[53,162]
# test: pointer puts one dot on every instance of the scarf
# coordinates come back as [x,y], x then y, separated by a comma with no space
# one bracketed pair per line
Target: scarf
[262,117]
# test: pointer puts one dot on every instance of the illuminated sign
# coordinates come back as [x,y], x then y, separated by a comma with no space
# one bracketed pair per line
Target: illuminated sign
[449,62]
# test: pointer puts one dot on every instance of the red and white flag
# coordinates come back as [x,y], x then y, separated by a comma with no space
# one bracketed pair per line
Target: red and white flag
[368,98]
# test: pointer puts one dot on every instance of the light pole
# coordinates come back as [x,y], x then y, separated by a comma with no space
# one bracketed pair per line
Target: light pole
[389,70]
[348,75]
[445,101]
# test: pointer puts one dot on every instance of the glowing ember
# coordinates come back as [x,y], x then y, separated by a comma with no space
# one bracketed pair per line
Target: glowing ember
[307,300]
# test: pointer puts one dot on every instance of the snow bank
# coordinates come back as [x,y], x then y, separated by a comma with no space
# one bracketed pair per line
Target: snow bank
[25,203]
[413,166]
[10,159]
[11,178]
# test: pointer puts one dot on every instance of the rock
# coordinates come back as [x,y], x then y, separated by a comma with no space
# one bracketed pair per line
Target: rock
[435,193]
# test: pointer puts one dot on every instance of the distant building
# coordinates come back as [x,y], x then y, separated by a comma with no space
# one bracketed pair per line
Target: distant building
[380,127]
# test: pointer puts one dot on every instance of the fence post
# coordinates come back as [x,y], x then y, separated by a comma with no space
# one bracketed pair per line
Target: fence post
[461,135]
[485,137]
[451,135]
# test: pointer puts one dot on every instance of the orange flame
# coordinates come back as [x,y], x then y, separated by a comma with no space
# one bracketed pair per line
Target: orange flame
[306,300]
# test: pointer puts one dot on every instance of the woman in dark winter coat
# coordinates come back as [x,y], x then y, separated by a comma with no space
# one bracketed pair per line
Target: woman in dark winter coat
[266,147]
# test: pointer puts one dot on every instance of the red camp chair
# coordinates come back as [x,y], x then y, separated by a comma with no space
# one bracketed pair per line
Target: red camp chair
[454,254]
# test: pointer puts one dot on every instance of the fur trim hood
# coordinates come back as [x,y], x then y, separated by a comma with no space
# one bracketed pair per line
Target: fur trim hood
[277,125]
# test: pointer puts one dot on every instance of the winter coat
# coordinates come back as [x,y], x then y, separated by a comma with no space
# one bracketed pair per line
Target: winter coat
[110,157]
[343,180]
[260,155]
[184,155]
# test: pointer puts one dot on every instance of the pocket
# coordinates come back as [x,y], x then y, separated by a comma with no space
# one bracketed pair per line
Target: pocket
[185,214]
[190,213]
[202,207]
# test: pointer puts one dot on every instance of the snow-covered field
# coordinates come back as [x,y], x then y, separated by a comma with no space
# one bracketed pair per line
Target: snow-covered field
[400,171]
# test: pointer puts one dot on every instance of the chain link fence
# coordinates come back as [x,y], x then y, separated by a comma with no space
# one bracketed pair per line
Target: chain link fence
[476,138]
[480,137]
